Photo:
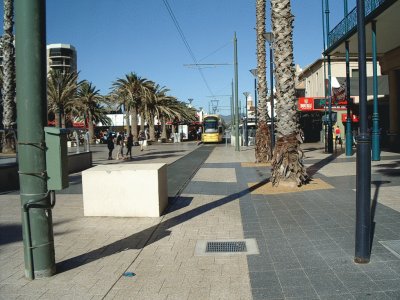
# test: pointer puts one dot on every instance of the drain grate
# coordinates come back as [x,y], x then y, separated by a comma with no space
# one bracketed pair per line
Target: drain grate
[226,247]
[235,246]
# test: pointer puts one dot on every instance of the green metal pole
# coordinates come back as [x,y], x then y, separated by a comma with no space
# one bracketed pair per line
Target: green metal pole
[255,101]
[376,151]
[363,163]
[237,147]
[349,132]
[325,89]
[232,110]
[37,224]
[330,138]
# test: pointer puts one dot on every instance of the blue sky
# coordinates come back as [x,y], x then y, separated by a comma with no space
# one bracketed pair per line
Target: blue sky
[115,37]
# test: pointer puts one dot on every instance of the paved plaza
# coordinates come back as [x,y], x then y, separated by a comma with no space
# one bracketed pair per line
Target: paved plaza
[304,238]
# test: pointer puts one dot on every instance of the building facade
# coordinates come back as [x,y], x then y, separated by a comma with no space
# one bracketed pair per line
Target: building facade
[62,57]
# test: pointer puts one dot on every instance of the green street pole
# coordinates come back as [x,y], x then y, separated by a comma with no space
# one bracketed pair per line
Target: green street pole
[232,110]
[325,88]
[37,227]
[237,147]
[376,151]
[363,163]
[330,137]
[349,132]
[246,135]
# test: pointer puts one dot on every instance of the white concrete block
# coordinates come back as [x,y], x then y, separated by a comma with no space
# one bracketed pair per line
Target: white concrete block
[125,190]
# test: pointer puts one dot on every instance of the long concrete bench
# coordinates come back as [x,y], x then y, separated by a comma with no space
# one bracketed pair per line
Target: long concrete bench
[125,190]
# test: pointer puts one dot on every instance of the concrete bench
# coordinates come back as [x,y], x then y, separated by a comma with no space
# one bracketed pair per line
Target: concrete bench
[125,190]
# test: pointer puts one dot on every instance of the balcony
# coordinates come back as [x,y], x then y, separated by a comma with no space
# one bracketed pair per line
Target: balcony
[386,15]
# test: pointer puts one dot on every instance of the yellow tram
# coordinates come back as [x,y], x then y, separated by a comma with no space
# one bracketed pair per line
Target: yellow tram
[213,129]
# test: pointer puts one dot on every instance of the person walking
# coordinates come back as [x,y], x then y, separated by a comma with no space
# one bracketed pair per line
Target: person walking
[129,144]
[110,145]
[338,137]
[120,146]
[142,139]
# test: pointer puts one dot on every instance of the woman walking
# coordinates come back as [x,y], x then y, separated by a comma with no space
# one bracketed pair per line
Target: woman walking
[129,144]
[110,146]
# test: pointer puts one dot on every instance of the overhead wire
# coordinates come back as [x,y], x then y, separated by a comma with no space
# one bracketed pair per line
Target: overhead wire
[184,40]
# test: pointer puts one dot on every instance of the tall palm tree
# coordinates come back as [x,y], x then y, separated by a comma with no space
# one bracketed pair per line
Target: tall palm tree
[287,165]
[89,100]
[130,91]
[61,93]
[153,106]
[8,90]
[263,142]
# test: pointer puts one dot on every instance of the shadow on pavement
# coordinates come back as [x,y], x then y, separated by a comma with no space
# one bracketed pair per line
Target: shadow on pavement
[153,234]
[374,203]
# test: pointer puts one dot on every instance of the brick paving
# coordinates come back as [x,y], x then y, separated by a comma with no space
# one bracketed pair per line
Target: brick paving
[305,239]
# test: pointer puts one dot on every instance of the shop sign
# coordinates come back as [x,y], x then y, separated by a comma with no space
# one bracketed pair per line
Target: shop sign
[306,104]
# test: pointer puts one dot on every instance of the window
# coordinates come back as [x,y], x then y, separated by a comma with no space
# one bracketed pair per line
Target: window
[354,72]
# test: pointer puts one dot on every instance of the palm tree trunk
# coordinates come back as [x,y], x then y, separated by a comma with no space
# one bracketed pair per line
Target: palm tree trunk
[92,138]
[287,164]
[152,129]
[141,121]
[57,119]
[263,151]
[134,125]
[163,128]
[8,90]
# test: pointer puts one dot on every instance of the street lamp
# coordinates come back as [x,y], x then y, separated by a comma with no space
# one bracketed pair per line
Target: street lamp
[246,94]
[254,73]
[269,37]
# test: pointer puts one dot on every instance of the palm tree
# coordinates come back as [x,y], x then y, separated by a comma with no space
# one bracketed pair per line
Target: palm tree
[130,91]
[61,93]
[8,90]
[287,165]
[263,142]
[88,102]
[153,106]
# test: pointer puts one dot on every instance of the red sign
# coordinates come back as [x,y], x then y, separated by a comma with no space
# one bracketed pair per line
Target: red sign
[306,104]
[354,118]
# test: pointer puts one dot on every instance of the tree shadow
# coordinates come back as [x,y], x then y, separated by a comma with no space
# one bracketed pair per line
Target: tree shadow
[390,169]
[313,169]
[12,233]
[153,234]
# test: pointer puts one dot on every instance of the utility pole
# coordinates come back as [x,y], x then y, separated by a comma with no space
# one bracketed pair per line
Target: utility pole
[37,226]
[237,146]
[246,135]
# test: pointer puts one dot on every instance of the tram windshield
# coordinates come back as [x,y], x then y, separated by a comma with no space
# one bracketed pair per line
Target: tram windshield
[210,125]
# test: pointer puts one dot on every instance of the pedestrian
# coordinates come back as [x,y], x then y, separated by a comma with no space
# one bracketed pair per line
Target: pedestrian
[338,138]
[129,144]
[142,139]
[110,145]
[120,146]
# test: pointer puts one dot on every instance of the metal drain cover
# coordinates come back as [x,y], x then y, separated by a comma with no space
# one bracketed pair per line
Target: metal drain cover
[236,246]
[226,247]
[393,246]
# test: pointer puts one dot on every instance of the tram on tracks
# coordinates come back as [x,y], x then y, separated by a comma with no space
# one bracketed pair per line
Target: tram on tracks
[213,129]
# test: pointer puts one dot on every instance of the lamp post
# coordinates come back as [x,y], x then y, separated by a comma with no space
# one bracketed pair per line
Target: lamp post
[269,36]
[254,73]
[237,146]
[329,86]
[37,226]
[363,164]
[246,140]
